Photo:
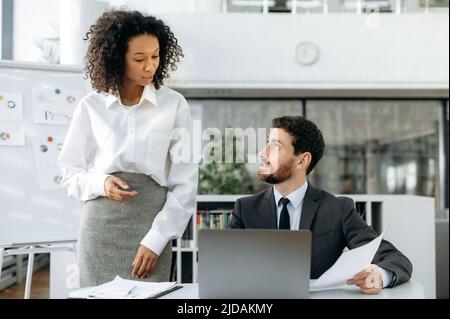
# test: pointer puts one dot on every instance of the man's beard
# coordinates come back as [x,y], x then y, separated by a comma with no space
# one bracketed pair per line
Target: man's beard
[282,174]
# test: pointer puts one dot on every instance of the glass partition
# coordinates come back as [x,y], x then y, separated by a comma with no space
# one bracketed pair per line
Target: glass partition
[378,147]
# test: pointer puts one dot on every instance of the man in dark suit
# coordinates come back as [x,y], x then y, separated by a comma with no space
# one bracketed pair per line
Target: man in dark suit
[294,147]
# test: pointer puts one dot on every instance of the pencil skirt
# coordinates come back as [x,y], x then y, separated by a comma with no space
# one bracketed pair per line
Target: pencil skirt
[111,232]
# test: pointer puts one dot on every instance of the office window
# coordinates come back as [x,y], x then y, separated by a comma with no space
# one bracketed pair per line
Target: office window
[236,6]
[217,115]
[388,6]
[158,7]
[381,6]
[434,6]
[35,31]
[340,6]
[378,147]
[309,6]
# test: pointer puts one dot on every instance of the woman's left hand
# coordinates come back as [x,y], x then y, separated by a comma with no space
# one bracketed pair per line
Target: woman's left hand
[144,262]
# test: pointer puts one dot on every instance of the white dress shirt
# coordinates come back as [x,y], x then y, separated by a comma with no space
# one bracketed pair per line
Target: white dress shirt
[294,208]
[105,137]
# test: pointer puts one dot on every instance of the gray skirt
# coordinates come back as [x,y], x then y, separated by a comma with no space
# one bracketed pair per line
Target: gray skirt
[111,232]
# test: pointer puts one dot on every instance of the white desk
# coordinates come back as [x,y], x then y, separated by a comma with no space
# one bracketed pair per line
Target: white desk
[409,290]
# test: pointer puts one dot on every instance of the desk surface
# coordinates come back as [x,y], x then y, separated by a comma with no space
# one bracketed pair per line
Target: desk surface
[409,290]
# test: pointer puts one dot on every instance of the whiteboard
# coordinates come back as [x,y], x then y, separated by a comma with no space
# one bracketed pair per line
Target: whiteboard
[36,103]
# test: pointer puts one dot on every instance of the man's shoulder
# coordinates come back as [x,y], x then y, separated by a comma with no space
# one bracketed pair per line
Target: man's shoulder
[255,197]
[315,193]
[328,198]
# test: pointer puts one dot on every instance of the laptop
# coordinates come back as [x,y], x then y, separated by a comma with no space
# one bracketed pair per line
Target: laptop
[254,263]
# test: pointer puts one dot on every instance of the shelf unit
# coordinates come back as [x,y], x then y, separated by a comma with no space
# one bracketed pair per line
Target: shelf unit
[389,213]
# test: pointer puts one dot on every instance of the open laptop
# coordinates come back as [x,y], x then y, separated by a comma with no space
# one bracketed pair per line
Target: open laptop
[254,263]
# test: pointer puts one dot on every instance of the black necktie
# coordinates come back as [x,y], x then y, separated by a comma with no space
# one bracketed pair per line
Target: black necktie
[284,217]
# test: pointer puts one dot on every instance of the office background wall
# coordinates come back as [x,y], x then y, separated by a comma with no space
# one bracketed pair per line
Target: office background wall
[382,74]
[389,41]
[354,65]
[398,51]
[302,56]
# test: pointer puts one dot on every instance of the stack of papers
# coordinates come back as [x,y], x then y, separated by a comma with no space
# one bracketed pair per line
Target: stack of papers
[349,264]
[121,288]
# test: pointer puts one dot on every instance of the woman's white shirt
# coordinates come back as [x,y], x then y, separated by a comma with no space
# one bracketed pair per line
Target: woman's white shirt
[106,137]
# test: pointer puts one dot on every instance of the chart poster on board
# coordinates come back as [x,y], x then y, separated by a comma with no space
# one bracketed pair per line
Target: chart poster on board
[11,119]
[53,105]
[46,149]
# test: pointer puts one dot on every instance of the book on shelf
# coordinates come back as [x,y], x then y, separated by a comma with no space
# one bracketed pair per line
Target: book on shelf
[213,219]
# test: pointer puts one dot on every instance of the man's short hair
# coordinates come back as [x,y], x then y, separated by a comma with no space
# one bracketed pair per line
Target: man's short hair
[306,137]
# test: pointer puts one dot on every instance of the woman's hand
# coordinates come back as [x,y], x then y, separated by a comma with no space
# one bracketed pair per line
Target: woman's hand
[113,191]
[144,262]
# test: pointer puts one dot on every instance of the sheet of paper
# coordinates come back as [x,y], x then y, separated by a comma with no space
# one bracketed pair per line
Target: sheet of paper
[120,288]
[112,290]
[349,264]
[11,119]
[52,105]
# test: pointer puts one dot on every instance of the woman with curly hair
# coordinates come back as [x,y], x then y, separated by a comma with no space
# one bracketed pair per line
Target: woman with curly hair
[136,197]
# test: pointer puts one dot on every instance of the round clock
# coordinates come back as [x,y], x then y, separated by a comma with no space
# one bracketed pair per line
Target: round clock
[306,53]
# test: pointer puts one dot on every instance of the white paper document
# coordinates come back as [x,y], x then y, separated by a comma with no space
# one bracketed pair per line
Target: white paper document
[349,264]
[52,105]
[121,288]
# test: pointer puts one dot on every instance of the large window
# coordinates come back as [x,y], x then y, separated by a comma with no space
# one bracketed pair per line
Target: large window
[34,32]
[42,30]
[379,147]
[336,6]
[372,146]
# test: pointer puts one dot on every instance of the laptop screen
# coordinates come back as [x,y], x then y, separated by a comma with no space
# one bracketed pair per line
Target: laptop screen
[254,263]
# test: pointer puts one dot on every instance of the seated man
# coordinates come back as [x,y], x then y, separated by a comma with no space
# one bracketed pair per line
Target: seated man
[294,147]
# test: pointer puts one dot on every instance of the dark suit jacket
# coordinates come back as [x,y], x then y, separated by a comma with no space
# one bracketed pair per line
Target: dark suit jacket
[334,224]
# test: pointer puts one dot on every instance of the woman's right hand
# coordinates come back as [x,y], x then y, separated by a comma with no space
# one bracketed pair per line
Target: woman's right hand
[113,189]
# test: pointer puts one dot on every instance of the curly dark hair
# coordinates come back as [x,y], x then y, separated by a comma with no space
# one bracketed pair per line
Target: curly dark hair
[108,43]
[306,137]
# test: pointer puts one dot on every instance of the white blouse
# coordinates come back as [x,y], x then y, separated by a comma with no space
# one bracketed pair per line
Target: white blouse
[105,137]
